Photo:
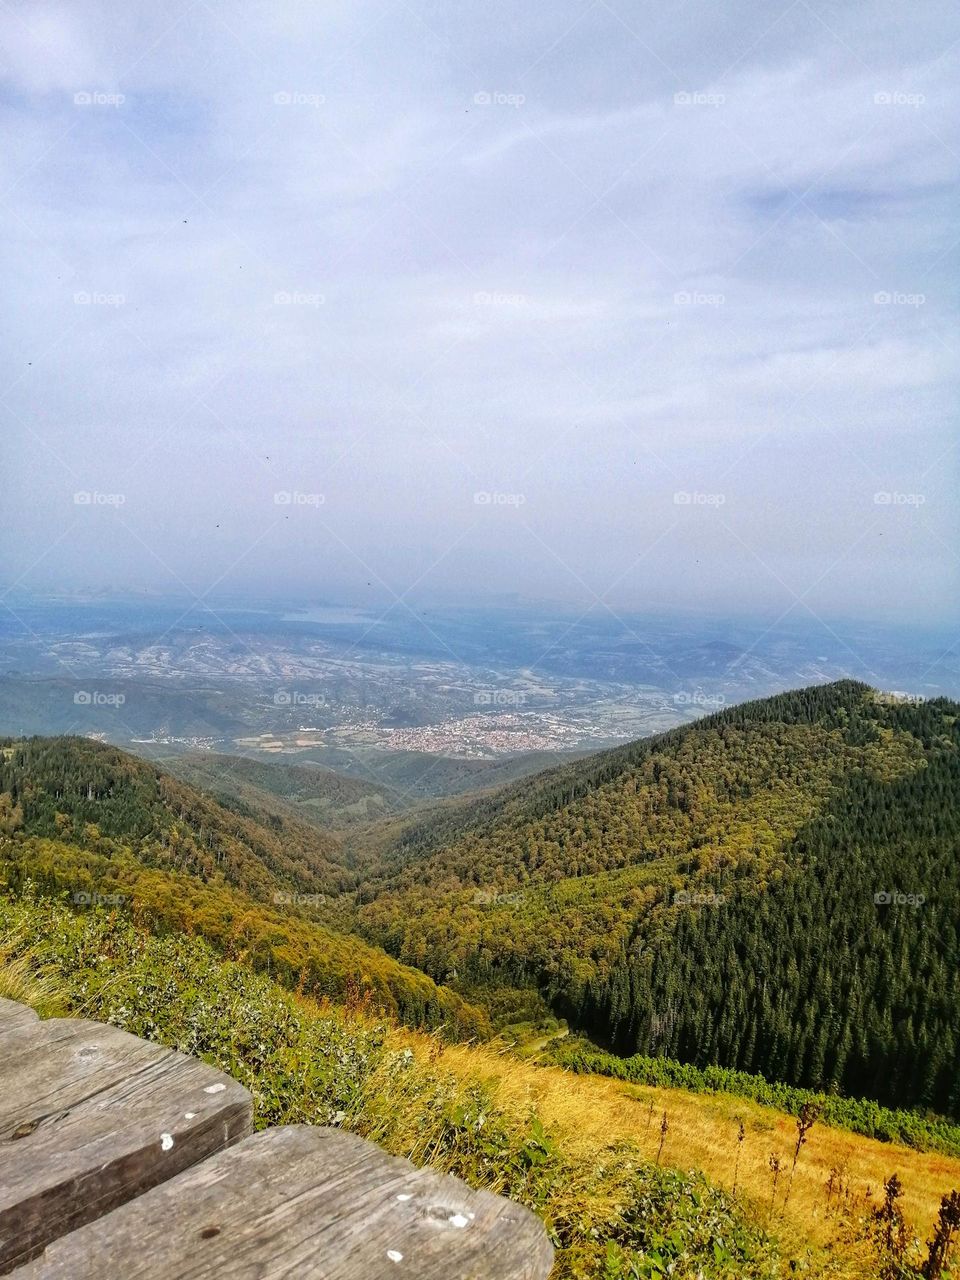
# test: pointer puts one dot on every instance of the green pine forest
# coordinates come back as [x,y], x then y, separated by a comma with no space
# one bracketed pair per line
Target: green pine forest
[710,895]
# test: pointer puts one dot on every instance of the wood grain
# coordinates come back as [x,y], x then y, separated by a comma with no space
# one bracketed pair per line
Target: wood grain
[90,1117]
[305,1203]
[14,1015]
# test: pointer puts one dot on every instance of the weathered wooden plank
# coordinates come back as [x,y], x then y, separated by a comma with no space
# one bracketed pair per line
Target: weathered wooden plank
[302,1203]
[15,1015]
[91,1116]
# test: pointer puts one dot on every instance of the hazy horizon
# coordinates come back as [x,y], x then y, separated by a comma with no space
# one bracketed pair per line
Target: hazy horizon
[612,309]
[280,603]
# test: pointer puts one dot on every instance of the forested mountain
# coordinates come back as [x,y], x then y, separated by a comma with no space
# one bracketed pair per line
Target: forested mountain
[307,793]
[416,777]
[356,790]
[775,888]
[709,894]
[76,789]
[87,822]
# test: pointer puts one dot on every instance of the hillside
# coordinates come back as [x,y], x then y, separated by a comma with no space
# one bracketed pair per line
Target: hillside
[713,895]
[412,777]
[339,791]
[704,897]
[64,787]
[81,820]
[717,894]
[623,1197]
[308,793]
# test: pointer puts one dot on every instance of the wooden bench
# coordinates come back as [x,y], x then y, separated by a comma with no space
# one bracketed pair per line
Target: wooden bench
[119,1157]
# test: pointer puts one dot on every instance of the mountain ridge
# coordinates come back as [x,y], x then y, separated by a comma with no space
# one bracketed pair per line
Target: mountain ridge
[666,896]
[727,893]
[85,821]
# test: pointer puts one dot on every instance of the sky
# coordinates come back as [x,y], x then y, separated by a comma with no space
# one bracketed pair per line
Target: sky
[592,302]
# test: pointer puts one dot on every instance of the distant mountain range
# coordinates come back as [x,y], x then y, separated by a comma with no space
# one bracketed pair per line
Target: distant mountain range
[344,687]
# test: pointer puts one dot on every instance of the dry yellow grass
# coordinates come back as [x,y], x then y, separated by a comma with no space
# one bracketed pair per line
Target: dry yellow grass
[24,982]
[589,1112]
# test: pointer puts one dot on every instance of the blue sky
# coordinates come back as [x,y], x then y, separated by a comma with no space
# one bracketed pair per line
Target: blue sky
[587,301]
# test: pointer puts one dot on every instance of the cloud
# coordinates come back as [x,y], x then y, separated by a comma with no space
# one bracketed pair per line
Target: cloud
[392,250]
[47,49]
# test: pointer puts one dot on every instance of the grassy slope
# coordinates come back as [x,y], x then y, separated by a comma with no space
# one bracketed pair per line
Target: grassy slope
[580,1151]
[702,1134]
[922,1130]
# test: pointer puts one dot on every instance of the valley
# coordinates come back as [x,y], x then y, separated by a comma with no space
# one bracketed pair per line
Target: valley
[733,923]
[369,692]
